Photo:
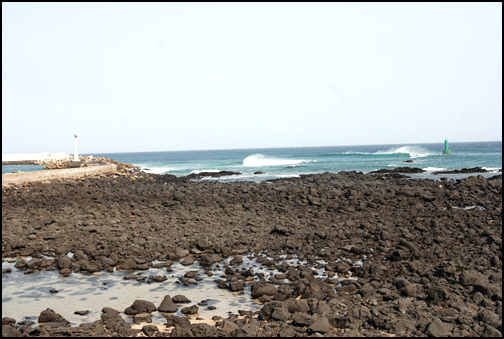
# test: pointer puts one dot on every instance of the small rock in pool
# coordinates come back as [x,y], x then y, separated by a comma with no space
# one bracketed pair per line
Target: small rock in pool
[81,312]
[190,310]
[181,299]
[52,290]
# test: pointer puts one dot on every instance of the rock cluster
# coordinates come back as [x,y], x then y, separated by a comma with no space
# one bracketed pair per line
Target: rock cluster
[464,170]
[429,265]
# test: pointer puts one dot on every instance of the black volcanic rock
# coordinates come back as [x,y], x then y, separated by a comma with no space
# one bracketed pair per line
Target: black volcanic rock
[411,257]
[399,170]
[211,174]
[464,170]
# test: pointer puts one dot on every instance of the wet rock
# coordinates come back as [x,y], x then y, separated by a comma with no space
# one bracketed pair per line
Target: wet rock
[315,288]
[399,170]
[157,278]
[142,318]
[209,259]
[82,312]
[8,321]
[490,317]
[262,288]
[437,328]
[294,305]
[237,260]
[265,299]
[177,254]
[87,266]
[187,261]
[274,310]
[229,327]
[302,319]
[321,326]
[9,331]
[109,310]
[65,271]
[48,315]
[489,331]
[463,170]
[63,262]
[150,330]
[403,305]
[140,306]
[413,290]
[176,321]
[167,305]
[191,274]
[128,264]
[437,294]
[281,230]
[180,299]
[492,291]
[472,277]
[237,286]
[190,310]
[21,264]
[199,330]
[114,324]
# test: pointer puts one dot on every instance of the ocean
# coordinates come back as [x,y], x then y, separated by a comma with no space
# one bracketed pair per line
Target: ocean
[272,163]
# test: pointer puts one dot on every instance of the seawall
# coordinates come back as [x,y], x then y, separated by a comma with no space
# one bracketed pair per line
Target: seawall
[67,173]
[27,158]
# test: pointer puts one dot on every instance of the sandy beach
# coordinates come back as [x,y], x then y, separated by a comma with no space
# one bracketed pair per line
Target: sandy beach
[431,251]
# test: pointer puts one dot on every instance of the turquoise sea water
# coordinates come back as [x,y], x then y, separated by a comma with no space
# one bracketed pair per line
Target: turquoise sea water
[291,162]
[21,168]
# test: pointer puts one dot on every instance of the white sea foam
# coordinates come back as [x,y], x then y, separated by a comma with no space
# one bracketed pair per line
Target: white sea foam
[156,170]
[260,160]
[413,151]
[434,169]
[492,169]
[200,171]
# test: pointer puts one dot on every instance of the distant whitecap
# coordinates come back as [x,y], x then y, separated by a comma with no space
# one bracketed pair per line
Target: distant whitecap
[260,160]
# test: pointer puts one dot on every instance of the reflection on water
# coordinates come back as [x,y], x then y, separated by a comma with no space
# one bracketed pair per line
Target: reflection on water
[24,296]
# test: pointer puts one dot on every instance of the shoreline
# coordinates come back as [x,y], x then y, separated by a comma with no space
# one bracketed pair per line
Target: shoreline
[432,265]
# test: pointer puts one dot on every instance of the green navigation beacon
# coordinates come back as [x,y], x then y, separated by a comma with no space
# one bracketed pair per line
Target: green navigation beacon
[446,150]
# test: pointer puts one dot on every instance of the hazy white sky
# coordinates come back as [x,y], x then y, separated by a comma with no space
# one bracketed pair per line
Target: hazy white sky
[132,77]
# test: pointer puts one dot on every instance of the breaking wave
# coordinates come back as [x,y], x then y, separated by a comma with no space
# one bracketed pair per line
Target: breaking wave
[412,151]
[156,170]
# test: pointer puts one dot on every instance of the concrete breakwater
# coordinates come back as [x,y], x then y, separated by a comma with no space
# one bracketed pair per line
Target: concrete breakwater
[18,178]
[31,158]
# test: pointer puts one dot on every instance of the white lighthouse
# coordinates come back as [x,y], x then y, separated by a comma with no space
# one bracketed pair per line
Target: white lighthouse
[76,155]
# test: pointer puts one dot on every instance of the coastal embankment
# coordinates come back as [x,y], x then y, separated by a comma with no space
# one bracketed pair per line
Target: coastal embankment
[32,158]
[67,173]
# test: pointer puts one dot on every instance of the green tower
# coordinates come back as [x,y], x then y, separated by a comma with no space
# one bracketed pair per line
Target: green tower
[446,150]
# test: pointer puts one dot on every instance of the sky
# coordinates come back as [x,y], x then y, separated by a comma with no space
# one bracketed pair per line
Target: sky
[134,77]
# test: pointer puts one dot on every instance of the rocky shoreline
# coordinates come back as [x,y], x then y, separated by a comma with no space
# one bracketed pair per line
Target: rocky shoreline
[430,265]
